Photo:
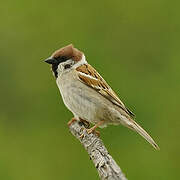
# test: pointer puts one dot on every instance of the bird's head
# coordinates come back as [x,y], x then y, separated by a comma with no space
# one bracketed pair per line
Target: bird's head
[65,59]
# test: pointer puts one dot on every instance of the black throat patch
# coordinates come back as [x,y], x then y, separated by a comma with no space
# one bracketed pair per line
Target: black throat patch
[54,69]
[56,63]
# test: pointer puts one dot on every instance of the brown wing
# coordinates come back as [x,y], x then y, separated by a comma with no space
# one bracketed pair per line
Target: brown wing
[89,76]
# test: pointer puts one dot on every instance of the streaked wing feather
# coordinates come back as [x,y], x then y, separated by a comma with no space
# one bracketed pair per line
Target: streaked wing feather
[89,76]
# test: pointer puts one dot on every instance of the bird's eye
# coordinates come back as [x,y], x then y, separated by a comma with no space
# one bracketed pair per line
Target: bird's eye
[67,66]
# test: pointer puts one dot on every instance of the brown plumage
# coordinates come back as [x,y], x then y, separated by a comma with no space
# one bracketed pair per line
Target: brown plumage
[98,83]
[69,52]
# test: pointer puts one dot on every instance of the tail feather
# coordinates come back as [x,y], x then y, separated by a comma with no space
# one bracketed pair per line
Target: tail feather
[134,126]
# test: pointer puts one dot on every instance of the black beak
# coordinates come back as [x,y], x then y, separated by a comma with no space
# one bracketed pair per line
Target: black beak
[50,60]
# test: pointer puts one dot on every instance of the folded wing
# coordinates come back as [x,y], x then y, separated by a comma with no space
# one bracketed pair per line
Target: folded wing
[90,77]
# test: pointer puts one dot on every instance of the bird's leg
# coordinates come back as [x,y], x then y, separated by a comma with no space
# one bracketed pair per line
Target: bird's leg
[85,123]
[71,121]
[93,129]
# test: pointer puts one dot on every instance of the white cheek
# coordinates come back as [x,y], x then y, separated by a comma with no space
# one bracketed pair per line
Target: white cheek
[60,69]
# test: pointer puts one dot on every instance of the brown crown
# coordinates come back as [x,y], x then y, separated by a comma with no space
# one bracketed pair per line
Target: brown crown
[69,52]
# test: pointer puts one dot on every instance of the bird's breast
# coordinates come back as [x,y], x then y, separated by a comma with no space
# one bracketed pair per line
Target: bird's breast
[80,99]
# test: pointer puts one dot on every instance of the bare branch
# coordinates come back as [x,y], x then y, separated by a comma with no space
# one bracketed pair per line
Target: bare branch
[104,163]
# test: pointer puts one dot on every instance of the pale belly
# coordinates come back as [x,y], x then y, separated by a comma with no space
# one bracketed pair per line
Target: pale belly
[83,102]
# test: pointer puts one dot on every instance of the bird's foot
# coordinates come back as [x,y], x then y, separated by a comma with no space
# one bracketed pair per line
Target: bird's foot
[89,131]
[81,136]
[93,129]
[71,121]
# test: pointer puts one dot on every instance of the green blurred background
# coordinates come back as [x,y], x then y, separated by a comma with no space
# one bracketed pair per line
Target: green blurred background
[134,43]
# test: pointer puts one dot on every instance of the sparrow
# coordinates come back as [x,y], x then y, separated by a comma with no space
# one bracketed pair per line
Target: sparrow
[87,95]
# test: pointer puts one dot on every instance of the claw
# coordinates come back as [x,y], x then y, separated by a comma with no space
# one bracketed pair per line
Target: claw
[89,131]
[81,136]
[93,129]
[71,121]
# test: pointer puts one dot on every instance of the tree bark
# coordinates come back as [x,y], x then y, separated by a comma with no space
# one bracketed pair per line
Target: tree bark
[103,161]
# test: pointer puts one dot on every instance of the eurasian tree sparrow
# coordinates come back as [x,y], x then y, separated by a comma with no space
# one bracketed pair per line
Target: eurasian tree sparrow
[87,95]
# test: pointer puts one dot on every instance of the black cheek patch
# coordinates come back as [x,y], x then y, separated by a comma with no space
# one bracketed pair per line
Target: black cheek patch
[54,69]
[67,66]
[58,60]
